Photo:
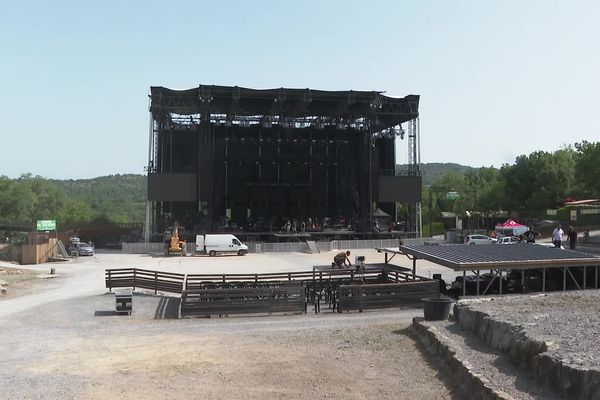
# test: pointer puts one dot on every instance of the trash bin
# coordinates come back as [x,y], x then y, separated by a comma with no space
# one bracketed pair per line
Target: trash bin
[124,301]
[436,309]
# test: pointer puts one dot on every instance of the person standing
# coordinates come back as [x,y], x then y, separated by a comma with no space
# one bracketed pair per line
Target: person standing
[572,235]
[557,235]
[530,235]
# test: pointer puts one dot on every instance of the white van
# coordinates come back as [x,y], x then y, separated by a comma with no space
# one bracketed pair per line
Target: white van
[225,243]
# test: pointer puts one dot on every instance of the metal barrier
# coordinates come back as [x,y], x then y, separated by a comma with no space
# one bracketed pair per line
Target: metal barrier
[143,248]
[296,247]
[292,247]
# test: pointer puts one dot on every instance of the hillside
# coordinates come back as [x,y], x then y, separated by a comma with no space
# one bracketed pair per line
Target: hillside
[121,198]
[433,171]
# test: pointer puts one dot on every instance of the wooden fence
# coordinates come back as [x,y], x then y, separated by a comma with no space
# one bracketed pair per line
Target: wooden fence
[391,273]
[224,299]
[364,297]
[344,289]
[143,278]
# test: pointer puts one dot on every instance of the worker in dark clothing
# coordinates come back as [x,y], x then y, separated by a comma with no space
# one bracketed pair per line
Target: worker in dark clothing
[572,235]
[530,235]
[340,259]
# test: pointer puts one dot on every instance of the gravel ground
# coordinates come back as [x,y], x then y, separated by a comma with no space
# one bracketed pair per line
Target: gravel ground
[61,340]
[493,365]
[570,321]
[78,349]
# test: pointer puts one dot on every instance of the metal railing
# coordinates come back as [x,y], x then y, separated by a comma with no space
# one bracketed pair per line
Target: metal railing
[143,248]
[294,247]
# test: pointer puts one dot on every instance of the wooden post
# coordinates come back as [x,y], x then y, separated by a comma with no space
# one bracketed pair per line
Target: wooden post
[522,281]
[564,278]
[477,282]
[464,283]
[500,283]
[544,280]
[155,281]
[414,268]
[109,281]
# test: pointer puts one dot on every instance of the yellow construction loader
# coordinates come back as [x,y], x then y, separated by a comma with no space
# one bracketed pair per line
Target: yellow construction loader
[176,245]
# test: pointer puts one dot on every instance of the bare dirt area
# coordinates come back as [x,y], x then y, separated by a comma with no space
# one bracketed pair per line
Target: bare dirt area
[17,281]
[63,341]
[79,353]
[368,363]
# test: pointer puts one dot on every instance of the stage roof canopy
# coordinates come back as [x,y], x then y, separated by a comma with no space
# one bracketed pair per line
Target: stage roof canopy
[285,102]
[517,256]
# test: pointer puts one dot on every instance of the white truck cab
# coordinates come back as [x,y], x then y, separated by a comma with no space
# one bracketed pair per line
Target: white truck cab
[218,244]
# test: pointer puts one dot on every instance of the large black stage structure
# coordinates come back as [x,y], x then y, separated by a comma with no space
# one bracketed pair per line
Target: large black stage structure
[223,156]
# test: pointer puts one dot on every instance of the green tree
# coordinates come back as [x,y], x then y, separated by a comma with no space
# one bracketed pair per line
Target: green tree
[540,180]
[587,169]
[490,190]
[19,202]
[452,181]
[78,211]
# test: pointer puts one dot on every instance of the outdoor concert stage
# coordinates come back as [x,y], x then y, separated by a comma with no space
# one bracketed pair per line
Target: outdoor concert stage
[253,159]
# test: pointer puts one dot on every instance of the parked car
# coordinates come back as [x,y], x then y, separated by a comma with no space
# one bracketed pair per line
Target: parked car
[81,248]
[479,239]
[508,240]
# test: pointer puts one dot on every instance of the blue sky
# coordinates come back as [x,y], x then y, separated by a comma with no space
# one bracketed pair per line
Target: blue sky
[496,79]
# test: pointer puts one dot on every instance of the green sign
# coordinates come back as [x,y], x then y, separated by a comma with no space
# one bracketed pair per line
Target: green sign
[452,195]
[46,225]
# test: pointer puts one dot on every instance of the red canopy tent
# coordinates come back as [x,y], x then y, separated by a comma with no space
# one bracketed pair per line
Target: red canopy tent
[511,223]
[511,227]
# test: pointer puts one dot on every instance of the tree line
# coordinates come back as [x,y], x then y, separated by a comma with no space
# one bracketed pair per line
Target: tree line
[117,198]
[538,181]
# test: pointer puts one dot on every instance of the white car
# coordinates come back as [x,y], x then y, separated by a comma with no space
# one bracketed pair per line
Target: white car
[479,239]
[508,240]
